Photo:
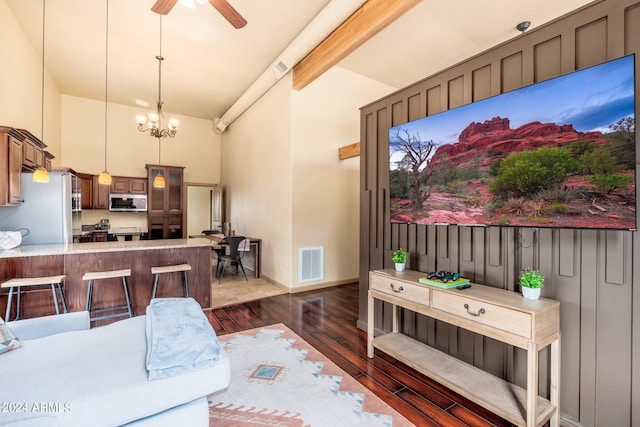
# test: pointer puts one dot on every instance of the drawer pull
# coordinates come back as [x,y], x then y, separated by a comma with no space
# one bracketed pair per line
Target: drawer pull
[481,311]
[400,289]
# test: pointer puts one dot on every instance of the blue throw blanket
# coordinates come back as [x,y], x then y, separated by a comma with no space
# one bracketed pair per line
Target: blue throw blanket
[180,339]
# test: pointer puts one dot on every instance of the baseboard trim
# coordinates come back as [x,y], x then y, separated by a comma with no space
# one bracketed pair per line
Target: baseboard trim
[315,286]
[275,282]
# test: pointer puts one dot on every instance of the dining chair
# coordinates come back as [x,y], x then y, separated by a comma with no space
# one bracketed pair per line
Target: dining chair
[217,250]
[237,245]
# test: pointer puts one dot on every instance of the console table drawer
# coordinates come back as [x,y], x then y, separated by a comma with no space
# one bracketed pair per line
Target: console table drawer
[401,289]
[509,320]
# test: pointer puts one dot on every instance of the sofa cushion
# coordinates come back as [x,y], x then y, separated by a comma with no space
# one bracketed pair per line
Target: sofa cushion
[98,377]
[8,341]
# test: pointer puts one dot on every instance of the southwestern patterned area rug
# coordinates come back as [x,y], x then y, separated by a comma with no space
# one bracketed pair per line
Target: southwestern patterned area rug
[278,379]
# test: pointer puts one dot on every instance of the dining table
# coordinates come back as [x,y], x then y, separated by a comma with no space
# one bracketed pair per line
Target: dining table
[219,244]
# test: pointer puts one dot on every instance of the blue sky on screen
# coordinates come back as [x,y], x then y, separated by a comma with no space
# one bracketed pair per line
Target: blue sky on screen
[590,99]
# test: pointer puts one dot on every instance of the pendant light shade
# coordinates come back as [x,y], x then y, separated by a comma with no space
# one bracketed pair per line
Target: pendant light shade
[40,175]
[158,181]
[104,178]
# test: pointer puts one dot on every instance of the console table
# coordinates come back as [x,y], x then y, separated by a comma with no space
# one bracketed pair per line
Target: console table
[497,313]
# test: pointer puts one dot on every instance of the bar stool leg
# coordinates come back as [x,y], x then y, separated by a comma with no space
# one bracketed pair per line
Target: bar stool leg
[155,286]
[186,284]
[55,298]
[64,301]
[89,294]
[18,307]
[126,294]
[8,312]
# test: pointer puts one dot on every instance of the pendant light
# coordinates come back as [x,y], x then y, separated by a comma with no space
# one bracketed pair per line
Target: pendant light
[41,174]
[158,181]
[155,127]
[105,177]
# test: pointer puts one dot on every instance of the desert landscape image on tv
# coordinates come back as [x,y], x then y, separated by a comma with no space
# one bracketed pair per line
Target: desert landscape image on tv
[559,153]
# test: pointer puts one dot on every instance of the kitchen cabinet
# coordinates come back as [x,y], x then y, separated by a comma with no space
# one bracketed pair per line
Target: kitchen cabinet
[10,166]
[128,185]
[100,194]
[165,217]
[94,195]
[32,151]
[47,157]
[86,190]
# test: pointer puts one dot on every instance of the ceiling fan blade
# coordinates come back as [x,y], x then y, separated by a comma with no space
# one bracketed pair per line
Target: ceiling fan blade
[163,7]
[229,13]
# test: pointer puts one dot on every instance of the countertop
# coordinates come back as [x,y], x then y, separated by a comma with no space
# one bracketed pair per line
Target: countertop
[81,248]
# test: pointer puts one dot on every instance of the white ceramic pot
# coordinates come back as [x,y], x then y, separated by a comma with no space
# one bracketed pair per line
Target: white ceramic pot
[530,293]
[399,266]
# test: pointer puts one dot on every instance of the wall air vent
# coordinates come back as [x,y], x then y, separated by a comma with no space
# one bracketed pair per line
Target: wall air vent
[311,266]
[280,69]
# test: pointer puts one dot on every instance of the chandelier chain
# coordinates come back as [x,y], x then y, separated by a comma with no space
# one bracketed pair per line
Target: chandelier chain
[154,122]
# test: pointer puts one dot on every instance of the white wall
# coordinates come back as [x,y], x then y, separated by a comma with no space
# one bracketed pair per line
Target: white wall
[325,117]
[21,86]
[284,182]
[196,146]
[256,175]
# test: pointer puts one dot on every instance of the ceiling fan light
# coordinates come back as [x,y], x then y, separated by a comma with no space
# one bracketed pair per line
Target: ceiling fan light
[158,181]
[40,175]
[104,178]
[188,3]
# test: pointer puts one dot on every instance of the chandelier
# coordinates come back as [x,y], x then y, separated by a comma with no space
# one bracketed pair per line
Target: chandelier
[153,121]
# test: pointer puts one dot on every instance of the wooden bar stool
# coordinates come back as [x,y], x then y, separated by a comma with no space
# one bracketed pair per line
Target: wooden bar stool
[54,281]
[91,277]
[171,269]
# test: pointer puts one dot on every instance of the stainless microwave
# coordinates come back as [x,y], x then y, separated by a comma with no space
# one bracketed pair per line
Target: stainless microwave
[128,202]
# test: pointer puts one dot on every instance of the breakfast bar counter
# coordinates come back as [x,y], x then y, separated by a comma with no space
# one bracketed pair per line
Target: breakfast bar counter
[74,260]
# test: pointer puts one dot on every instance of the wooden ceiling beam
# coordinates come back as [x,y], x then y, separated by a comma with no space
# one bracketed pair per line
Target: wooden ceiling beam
[349,151]
[371,18]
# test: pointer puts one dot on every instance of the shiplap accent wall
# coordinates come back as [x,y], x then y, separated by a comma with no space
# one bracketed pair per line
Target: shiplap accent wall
[590,271]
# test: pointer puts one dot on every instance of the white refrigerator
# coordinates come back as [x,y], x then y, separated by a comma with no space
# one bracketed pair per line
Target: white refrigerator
[50,211]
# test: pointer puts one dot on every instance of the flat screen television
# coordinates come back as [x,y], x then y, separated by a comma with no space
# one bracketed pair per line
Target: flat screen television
[558,153]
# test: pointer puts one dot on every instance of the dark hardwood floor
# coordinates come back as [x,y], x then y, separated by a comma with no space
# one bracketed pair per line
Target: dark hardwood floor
[326,319]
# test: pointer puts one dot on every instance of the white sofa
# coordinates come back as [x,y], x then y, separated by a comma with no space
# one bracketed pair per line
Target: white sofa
[66,374]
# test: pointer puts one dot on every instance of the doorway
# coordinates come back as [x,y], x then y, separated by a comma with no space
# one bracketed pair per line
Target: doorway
[203,208]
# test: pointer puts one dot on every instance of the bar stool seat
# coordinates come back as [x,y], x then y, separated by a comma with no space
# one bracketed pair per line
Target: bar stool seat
[23,282]
[157,271]
[92,277]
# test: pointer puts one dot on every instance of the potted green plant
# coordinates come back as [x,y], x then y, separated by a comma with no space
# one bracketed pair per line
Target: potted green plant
[531,282]
[400,259]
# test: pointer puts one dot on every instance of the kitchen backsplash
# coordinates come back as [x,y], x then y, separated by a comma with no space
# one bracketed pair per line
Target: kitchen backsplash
[117,220]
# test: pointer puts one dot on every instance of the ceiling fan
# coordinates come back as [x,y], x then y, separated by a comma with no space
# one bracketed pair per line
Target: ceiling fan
[163,7]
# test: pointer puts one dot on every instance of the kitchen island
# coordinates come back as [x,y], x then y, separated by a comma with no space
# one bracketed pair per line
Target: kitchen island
[74,260]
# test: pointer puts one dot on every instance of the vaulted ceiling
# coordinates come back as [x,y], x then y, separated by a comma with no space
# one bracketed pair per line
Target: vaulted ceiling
[209,64]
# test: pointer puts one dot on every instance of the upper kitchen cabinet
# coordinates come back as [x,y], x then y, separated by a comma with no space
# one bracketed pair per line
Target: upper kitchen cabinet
[165,208]
[128,185]
[86,190]
[94,195]
[33,150]
[10,166]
